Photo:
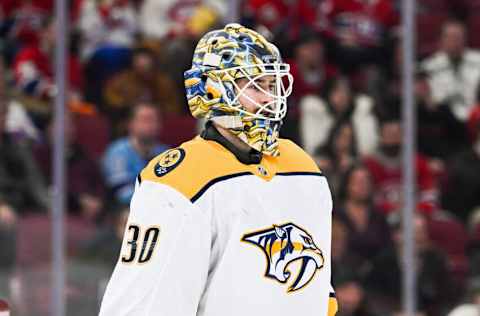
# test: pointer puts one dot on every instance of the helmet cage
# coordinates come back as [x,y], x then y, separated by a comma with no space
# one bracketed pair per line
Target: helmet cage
[274,110]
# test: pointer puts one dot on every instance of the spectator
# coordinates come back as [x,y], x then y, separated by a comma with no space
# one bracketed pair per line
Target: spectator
[436,121]
[309,68]
[24,20]
[352,298]
[19,123]
[348,271]
[8,216]
[108,30]
[345,262]
[107,27]
[339,154]
[141,82]
[368,231]
[85,189]
[161,19]
[33,67]
[319,116]
[454,71]
[433,284]
[21,186]
[178,25]
[461,193]
[346,265]
[472,307]
[385,165]
[126,157]
[266,13]
[7,14]
[285,20]
[465,310]
[310,71]
[360,29]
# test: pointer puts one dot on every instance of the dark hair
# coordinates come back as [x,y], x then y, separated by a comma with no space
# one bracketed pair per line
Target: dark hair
[345,180]
[143,51]
[330,86]
[452,21]
[329,147]
[307,35]
[132,111]
[392,113]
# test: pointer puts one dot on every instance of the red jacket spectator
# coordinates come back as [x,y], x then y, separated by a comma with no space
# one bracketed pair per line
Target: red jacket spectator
[386,169]
[387,177]
[267,12]
[180,18]
[360,22]
[273,13]
[7,7]
[309,67]
[33,71]
[29,17]
[304,87]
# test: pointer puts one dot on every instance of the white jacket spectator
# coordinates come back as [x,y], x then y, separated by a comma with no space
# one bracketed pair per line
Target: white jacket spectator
[316,122]
[112,24]
[165,17]
[466,310]
[454,85]
[19,123]
[454,71]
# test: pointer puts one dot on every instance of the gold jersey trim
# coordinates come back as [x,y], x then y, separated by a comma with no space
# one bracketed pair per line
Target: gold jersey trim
[206,162]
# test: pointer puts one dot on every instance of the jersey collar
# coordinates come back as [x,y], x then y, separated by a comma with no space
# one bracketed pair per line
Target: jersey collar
[249,158]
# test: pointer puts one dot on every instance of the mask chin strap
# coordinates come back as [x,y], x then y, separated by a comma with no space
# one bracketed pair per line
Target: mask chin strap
[228,121]
[233,123]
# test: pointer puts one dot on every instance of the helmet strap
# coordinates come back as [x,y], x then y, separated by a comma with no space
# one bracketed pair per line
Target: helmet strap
[228,121]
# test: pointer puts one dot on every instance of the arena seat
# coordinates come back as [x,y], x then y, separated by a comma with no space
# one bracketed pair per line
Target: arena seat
[450,235]
[93,133]
[34,238]
[177,129]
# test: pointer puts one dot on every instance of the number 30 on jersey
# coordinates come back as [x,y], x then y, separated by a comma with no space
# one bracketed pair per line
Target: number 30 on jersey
[139,244]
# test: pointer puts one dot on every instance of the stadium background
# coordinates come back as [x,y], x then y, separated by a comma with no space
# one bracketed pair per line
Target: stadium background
[126,103]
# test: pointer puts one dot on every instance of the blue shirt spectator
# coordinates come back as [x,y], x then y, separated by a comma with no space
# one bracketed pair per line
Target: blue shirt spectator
[121,165]
[126,157]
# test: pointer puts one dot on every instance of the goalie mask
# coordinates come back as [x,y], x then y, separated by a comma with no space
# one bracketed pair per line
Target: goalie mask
[226,64]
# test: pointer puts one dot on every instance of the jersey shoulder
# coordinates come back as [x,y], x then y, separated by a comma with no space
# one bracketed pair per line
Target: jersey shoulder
[294,159]
[191,166]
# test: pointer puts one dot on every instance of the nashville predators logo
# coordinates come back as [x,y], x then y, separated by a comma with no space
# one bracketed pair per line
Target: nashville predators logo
[168,161]
[283,245]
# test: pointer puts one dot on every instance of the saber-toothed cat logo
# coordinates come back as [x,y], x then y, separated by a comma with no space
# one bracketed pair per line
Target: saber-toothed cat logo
[284,244]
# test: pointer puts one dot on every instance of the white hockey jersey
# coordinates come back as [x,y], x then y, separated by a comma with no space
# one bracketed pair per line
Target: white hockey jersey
[208,235]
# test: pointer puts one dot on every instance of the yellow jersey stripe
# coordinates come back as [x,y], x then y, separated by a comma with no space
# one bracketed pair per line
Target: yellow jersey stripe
[201,163]
[332,305]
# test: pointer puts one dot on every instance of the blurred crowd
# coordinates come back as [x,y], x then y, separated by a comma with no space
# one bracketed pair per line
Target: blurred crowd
[126,104]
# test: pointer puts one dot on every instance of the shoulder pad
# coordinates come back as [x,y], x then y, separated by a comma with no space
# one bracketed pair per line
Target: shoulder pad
[294,159]
[192,166]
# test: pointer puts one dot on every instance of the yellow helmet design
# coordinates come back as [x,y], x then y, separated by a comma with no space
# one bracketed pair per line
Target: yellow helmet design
[220,59]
